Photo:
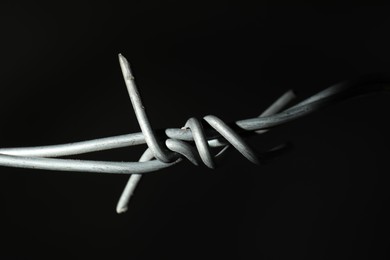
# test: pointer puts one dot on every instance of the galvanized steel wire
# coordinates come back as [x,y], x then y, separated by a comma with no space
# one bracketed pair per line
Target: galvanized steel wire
[194,141]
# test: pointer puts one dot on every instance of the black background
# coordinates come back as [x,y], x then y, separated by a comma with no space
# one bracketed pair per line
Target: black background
[60,82]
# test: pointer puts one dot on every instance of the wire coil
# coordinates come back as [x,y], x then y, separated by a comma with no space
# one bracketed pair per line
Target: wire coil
[193,142]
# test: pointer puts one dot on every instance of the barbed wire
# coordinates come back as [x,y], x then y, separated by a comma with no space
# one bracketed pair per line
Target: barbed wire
[195,141]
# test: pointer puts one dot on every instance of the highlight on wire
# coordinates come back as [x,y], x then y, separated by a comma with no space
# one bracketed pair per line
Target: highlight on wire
[201,141]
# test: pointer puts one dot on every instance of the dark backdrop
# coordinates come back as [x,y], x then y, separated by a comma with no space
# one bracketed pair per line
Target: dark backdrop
[60,82]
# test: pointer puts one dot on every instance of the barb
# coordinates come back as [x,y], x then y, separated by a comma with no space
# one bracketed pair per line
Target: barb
[190,153]
[193,142]
[158,150]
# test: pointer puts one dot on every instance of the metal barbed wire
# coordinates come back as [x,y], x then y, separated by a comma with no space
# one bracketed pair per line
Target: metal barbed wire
[193,141]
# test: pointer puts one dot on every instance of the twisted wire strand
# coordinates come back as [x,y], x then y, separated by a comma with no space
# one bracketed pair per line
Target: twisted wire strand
[200,140]
[83,165]
[190,153]
[177,146]
[127,140]
[193,141]
[27,157]
[232,137]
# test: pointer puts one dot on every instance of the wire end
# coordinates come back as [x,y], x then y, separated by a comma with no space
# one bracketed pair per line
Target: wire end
[125,67]
[121,209]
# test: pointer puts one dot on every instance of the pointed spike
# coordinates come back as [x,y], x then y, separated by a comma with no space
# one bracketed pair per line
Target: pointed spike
[125,67]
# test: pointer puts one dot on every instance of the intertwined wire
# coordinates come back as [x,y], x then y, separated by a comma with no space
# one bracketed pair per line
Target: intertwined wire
[193,141]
